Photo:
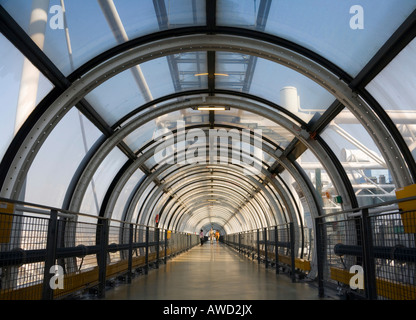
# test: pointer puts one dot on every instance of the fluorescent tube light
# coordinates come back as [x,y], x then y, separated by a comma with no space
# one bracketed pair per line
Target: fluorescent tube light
[211,108]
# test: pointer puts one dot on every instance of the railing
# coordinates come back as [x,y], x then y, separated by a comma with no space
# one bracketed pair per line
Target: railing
[275,246]
[368,253]
[48,253]
[364,253]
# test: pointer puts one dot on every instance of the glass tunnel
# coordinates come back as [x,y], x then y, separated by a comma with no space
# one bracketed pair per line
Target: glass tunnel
[287,126]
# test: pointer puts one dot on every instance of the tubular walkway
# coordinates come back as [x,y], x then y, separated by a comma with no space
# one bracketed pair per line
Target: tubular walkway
[212,272]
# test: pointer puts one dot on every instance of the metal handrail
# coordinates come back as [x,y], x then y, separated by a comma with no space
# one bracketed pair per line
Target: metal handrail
[45,210]
[372,206]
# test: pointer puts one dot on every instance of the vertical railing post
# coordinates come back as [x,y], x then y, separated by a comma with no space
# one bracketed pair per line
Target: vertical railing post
[157,230]
[320,255]
[130,254]
[292,249]
[265,248]
[146,268]
[166,246]
[369,266]
[102,256]
[239,242]
[258,245]
[47,291]
[248,242]
[276,249]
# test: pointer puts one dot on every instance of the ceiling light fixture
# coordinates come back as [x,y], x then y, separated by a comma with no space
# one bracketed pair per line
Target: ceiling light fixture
[211,108]
[215,74]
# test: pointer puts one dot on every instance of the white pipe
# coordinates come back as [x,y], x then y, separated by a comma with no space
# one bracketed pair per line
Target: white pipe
[29,81]
[346,165]
[116,25]
[359,145]
[397,116]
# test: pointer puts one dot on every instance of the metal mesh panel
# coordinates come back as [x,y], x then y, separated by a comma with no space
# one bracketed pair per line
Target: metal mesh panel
[114,238]
[342,234]
[139,237]
[23,238]
[393,243]
[380,245]
[85,236]
[52,254]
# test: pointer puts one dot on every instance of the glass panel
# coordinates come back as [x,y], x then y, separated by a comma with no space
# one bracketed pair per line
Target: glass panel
[320,180]
[59,157]
[361,159]
[139,137]
[168,123]
[121,94]
[22,87]
[102,179]
[274,82]
[196,152]
[125,194]
[280,214]
[340,31]
[142,203]
[116,97]
[94,27]
[394,88]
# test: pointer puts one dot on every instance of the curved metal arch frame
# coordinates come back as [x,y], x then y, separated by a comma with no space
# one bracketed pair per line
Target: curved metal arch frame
[136,164]
[270,150]
[200,223]
[34,152]
[210,167]
[20,167]
[217,172]
[253,182]
[247,220]
[200,195]
[186,222]
[403,182]
[233,200]
[310,142]
[73,89]
[227,209]
[248,213]
[167,214]
[169,108]
[218,178]
[215,188]
[339,89]
[150,179]
[280,43]
[182,157]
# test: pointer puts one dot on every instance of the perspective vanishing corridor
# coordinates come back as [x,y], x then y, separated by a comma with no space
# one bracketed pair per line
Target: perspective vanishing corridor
[286,129]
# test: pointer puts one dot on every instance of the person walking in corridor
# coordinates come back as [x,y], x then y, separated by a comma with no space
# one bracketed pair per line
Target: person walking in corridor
[201,237]
[211,236]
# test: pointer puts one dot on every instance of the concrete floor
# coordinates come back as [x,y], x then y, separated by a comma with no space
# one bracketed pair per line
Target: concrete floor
[212,272]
